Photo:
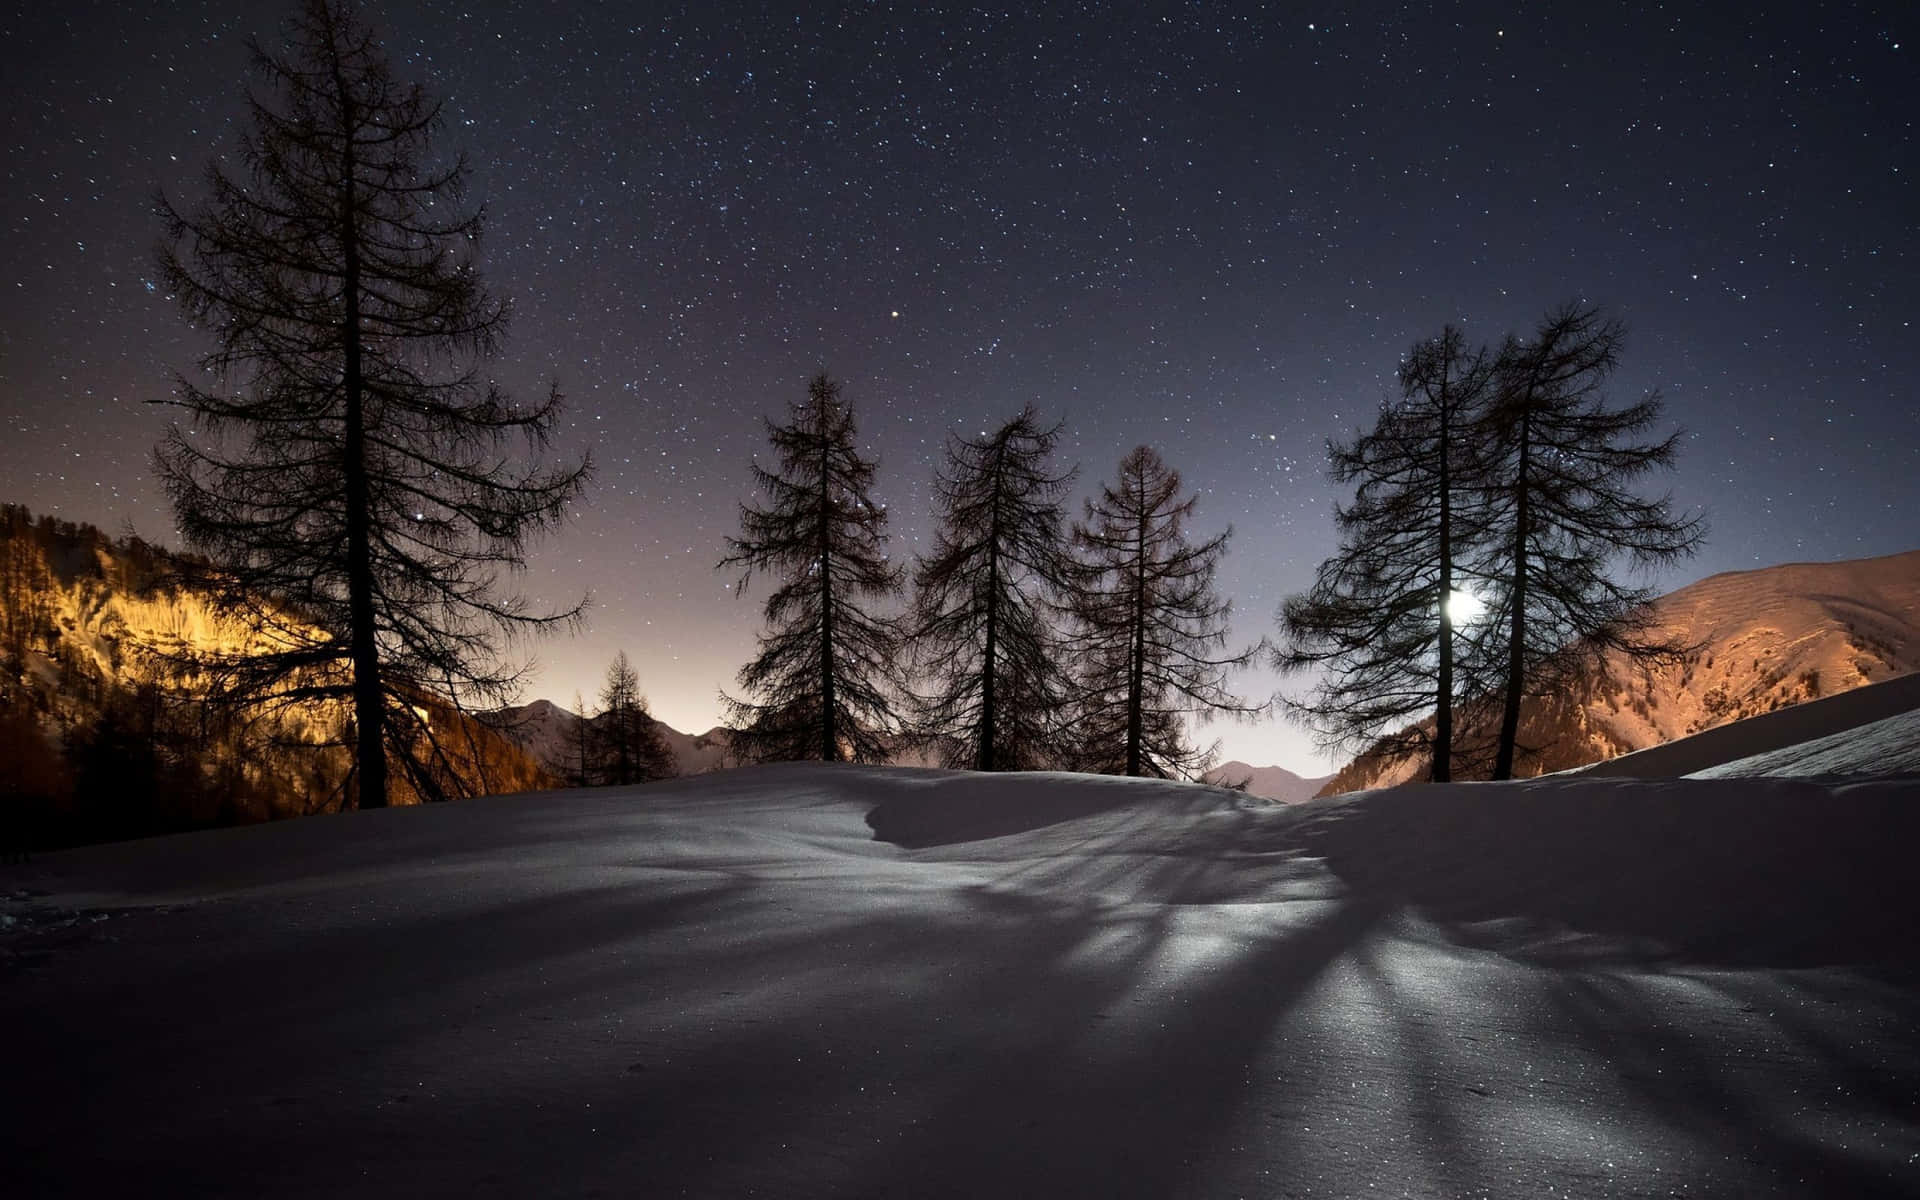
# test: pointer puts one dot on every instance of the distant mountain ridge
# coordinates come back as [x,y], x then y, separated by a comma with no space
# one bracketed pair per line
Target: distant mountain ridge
[1768,639]
[1272,783]
[545,731]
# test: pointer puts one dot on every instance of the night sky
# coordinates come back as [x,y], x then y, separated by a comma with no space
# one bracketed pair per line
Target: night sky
[1210,228]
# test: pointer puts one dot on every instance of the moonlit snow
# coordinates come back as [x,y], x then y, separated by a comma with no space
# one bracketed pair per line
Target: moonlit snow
[840,981]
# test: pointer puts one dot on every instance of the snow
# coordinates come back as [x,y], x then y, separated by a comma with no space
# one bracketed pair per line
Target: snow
[840,981]
[1890,746]
[1831,728]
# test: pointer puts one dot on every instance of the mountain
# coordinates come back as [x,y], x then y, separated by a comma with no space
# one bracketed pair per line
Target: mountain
[544,730]
[1767,639]
[1273,783]
[102,734]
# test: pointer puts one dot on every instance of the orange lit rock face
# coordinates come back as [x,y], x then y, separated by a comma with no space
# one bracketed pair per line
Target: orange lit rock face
[1768,639]
[93,625]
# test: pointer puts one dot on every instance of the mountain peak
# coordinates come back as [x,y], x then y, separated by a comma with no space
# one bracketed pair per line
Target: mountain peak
[1273,783]
[1767,638]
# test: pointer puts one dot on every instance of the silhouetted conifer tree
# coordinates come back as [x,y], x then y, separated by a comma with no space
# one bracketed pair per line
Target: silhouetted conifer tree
[573,762]
[821,686]
[351,471]
[1150,630]
[1378,622]
[629,746]
[982,632]
[1564,467]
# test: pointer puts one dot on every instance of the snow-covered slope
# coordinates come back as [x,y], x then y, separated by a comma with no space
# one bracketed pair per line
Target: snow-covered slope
[804,981]
[1831,729]
[1768,639]
[1889,746]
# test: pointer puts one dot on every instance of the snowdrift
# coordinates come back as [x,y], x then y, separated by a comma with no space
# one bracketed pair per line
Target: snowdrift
[1750,872]
[942,808]
[831,981]
[1788,734]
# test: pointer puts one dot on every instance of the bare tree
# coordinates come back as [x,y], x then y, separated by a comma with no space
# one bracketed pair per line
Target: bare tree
[1565,467]
[823,677]
[982,631]
[1150,630]
[1379,620]
[350,470]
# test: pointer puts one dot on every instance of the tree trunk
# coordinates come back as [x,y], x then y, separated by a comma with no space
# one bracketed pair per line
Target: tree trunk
[1516,632]
[988,717]
[1137,668]
[369,699]
[1443,687]
[829,735]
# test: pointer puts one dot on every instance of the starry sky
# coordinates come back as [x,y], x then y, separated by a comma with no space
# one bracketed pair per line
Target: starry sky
[1214,228]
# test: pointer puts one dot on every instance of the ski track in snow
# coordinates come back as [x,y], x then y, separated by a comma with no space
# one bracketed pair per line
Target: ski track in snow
[728,986]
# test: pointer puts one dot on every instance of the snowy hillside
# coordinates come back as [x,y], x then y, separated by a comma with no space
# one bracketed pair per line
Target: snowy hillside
[1769,639]
[804,981]
[1849,733]
[1889,746]
[1772,638]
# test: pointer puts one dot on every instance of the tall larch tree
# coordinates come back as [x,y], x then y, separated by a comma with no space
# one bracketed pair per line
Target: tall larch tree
[982,628]
[357,480]
[1565,507]
[823,684]
[1150,630]
[628,742]
[1378,624]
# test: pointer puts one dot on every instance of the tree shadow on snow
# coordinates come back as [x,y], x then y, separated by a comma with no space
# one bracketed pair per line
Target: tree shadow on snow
[1726,872]
[1085,1021]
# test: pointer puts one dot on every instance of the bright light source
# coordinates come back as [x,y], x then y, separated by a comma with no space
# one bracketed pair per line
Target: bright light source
[1463,607]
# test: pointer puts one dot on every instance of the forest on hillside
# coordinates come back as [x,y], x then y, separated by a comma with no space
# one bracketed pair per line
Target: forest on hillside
[106,731]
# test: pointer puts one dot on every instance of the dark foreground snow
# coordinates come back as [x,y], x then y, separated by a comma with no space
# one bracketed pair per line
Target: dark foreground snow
[1038,986]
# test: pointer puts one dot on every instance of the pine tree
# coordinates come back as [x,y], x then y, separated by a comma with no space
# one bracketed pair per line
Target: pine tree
[823,677]
[1150,629]
[1379,621]
[982,628]
[629,745]
[1565,507]
[350,471]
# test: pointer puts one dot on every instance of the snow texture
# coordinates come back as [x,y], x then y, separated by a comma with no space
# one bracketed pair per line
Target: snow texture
[838,981]
[1873,730]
